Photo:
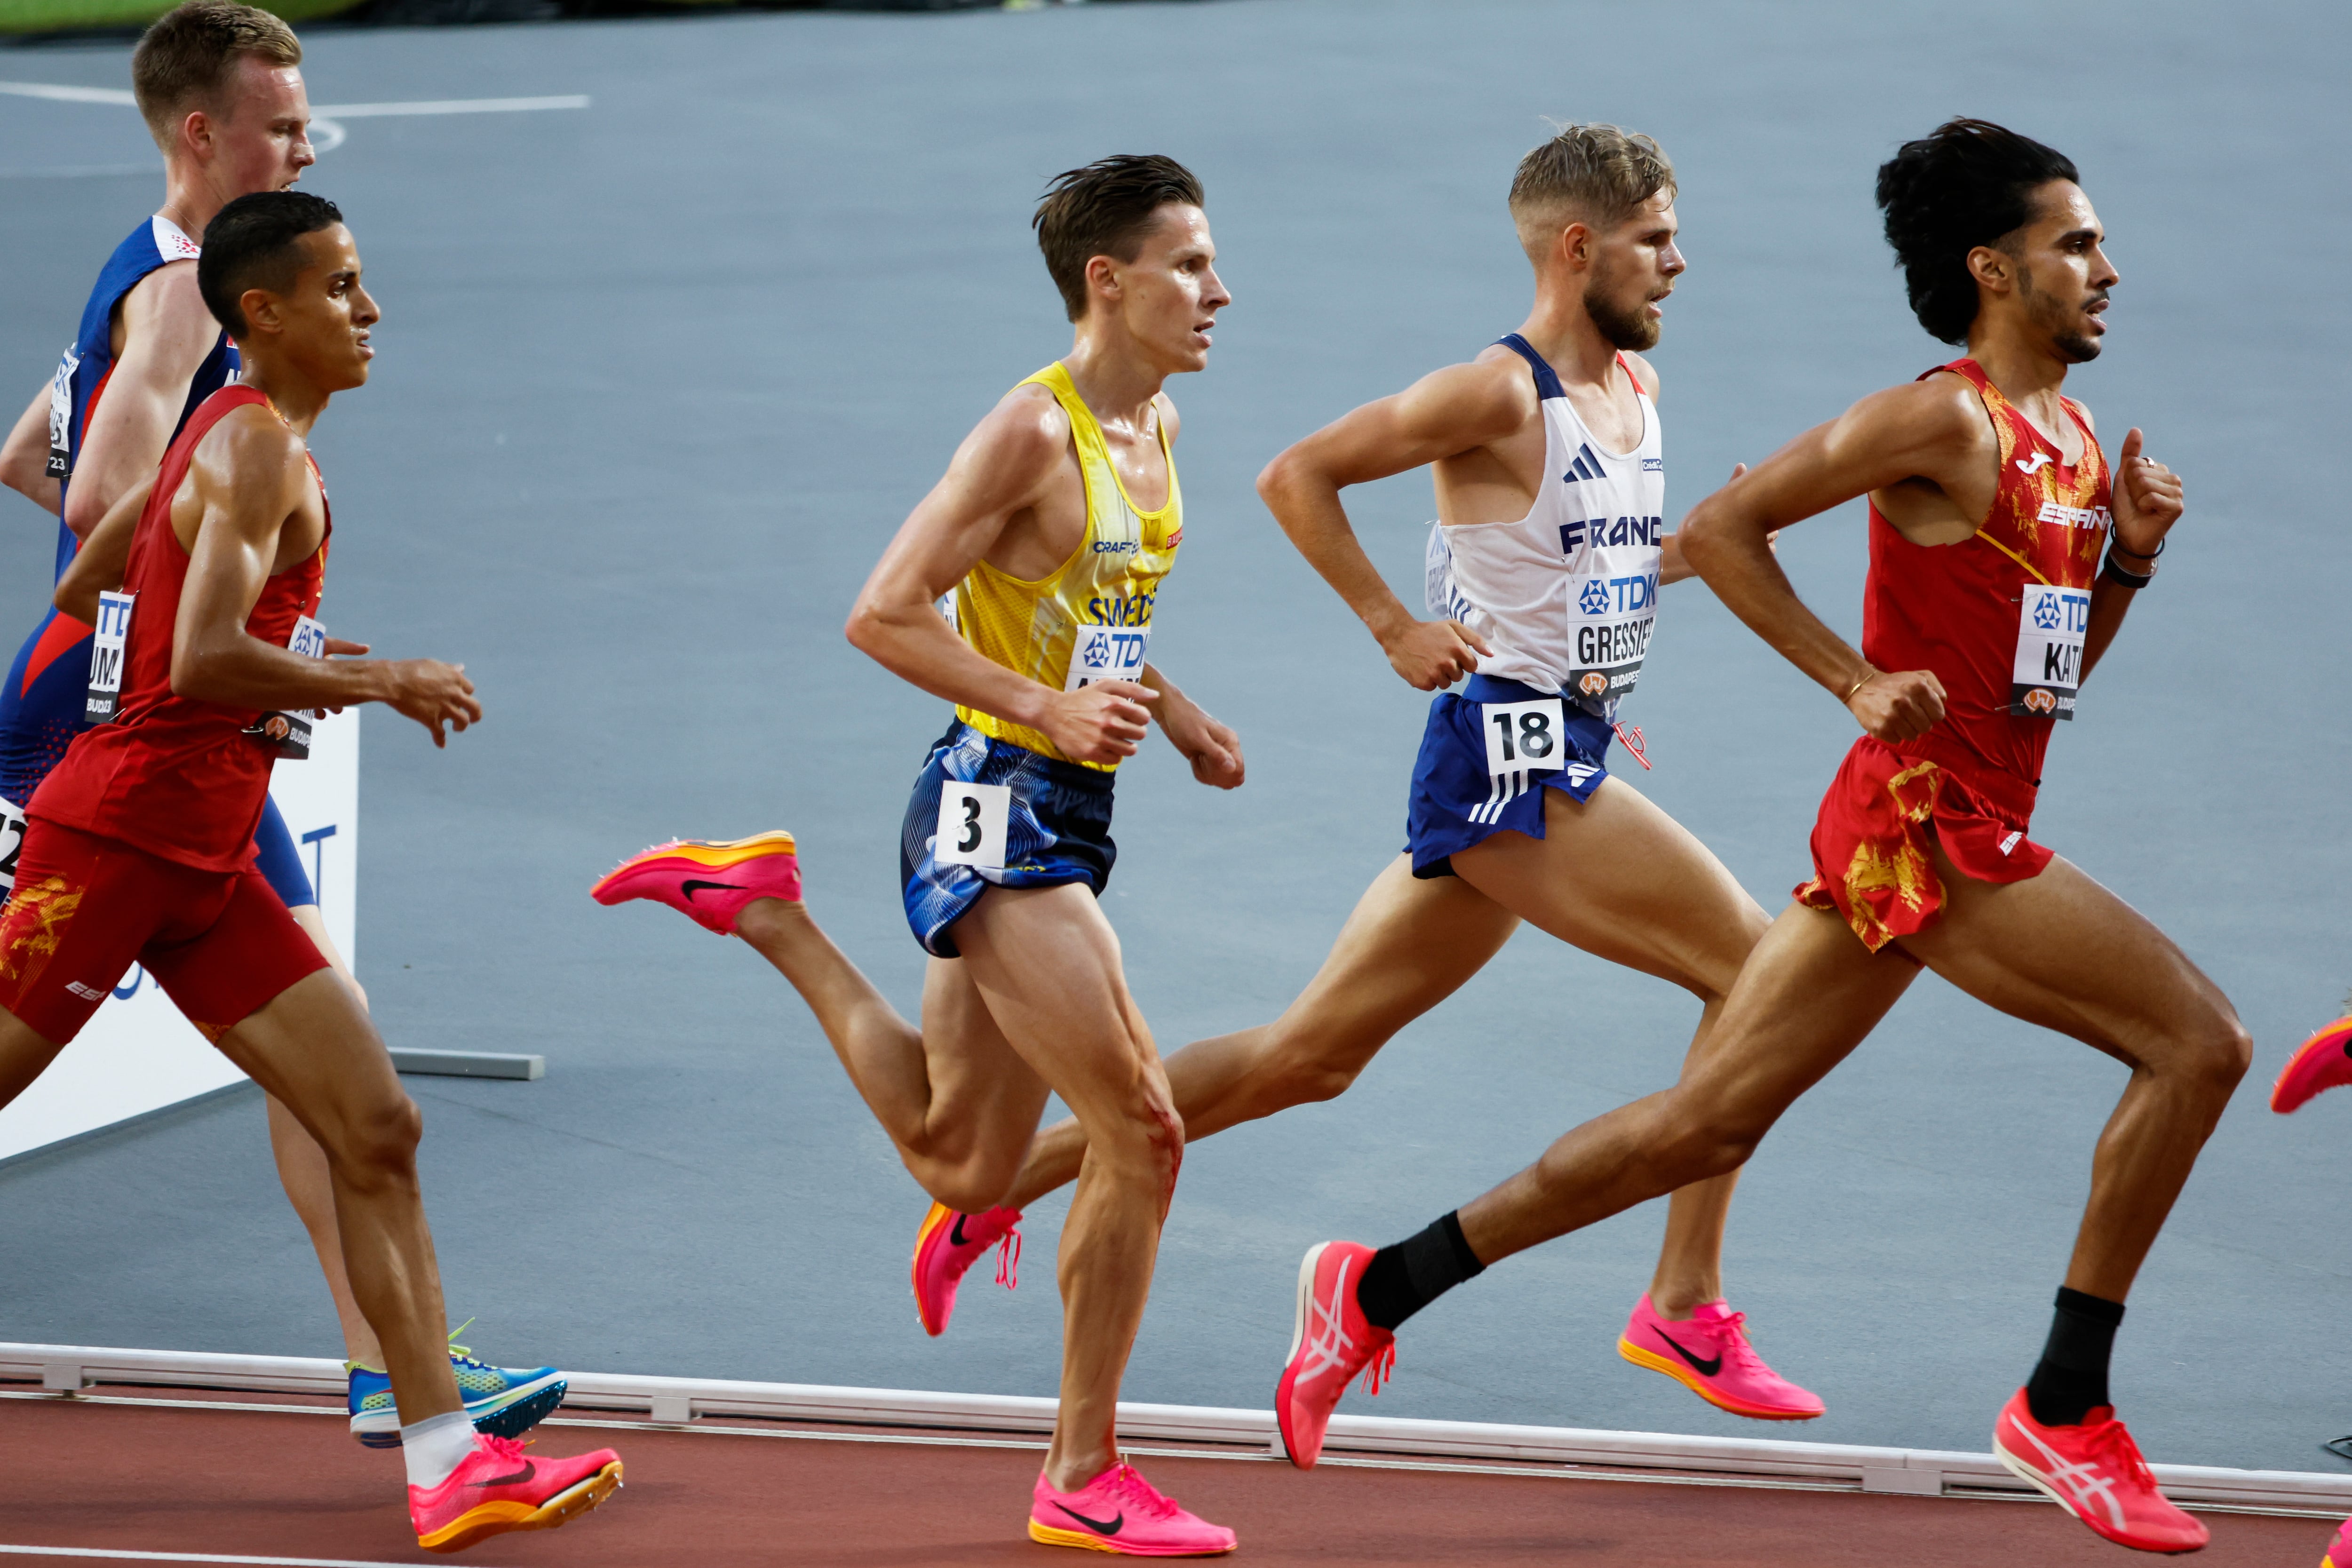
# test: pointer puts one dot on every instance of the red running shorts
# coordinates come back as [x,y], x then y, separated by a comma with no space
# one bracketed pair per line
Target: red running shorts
[1870,843]
[220,943]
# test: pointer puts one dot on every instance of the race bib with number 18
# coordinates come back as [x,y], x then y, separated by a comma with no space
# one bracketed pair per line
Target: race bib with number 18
[1524,737]
[972,824]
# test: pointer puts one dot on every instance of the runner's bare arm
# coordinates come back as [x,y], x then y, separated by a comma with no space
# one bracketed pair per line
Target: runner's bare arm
[1212,747]
[1918,431]
[2148,503]
[1447,412]
[1004,468]
[25,455]
[98,565]
[249,483]
[166,332]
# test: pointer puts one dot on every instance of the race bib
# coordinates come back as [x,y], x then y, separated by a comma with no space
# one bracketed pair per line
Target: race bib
[11,843]
[1107,653]
[61,417]
[1609,634]
[105,695]
[1524,737]
[2051,626]
[972,824]
[287,735]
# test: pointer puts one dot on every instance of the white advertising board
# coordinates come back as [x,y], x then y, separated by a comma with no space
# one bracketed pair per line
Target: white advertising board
[138,1054]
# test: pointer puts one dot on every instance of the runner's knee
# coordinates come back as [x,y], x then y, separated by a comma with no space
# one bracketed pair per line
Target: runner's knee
[1297,1072]
[1702,1137]
[378,1141]
[2219,1052]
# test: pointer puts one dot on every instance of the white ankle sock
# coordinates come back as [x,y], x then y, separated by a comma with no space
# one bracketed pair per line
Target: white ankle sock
[435,1446]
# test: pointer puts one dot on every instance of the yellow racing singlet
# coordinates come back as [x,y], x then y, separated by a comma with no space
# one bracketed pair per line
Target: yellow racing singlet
[1090,618]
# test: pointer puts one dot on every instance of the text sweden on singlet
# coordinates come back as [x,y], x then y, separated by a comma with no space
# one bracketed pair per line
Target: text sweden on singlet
[1582,569]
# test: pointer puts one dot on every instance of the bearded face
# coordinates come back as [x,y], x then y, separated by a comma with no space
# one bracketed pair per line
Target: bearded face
[1618,299]
[2067,321]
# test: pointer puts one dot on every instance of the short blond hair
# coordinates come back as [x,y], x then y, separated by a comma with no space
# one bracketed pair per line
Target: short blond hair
[185,59]
[1594,173]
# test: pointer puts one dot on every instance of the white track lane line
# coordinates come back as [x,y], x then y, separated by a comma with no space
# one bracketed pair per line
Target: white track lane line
[105,1554]
[451,106]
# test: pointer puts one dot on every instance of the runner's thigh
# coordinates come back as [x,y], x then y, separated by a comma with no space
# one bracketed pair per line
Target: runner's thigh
[2061,951]
[1619,878]
[1046,964]
[1409,944]
[978,1079]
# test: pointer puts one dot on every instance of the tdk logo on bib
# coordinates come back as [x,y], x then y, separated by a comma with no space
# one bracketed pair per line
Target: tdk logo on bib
[1598,531]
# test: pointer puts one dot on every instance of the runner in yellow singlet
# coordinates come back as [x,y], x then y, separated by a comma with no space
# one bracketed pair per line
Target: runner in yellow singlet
[1045,542]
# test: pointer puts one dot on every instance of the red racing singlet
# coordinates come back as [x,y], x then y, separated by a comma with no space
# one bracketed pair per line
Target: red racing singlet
[1969,611]
[173,775]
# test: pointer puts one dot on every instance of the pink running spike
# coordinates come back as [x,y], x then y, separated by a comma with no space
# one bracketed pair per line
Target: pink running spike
[710,883]
[1708,1354]
[2321,1062]
[949,1244]
[1121,1512]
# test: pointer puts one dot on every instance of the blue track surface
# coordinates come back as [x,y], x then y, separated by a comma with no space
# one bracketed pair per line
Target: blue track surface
[657,379]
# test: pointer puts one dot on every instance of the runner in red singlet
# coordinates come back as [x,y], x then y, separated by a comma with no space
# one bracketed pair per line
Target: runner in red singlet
[141,842]
[1991,503]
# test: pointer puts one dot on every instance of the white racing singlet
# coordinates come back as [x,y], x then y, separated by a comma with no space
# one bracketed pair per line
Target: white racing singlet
[1565,596]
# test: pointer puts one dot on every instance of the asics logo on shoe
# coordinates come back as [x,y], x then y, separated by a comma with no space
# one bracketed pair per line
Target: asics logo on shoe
[1100,1527]
[688,885]
[529,1469]
[2082,1480]
[1327,1340]
[1706,1368]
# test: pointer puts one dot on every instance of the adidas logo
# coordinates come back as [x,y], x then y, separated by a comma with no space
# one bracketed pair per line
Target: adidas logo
[1586,467]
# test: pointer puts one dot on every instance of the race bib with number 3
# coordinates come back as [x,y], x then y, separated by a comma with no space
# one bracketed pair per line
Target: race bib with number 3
[1107,653]
[105,646]
[972,824]
[2051,623]
[1524,737]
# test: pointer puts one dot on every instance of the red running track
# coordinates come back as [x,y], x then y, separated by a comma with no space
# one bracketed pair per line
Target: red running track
[94,1475]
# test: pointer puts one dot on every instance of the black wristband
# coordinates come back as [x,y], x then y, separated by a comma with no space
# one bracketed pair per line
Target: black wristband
[2115,544]
[2121,579]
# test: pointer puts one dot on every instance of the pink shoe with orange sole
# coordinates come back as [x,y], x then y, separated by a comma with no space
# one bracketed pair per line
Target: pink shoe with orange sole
[1121,1512]
[498,1488]
[1708,1354]
[707,883]
[947,1246]
[2321,1062]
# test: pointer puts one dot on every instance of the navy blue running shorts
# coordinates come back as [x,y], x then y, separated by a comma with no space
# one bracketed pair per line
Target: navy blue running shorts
[1056,830]
[1457,802]
[277,858]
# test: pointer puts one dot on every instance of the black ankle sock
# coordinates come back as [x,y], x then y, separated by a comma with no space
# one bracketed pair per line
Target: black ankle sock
[2071,1379]
[1400,1280]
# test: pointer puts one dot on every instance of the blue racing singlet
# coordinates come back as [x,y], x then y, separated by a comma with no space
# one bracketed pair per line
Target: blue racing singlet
[41,703]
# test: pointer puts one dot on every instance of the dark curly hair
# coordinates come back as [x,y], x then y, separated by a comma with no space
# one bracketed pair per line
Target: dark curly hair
[1967,183]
